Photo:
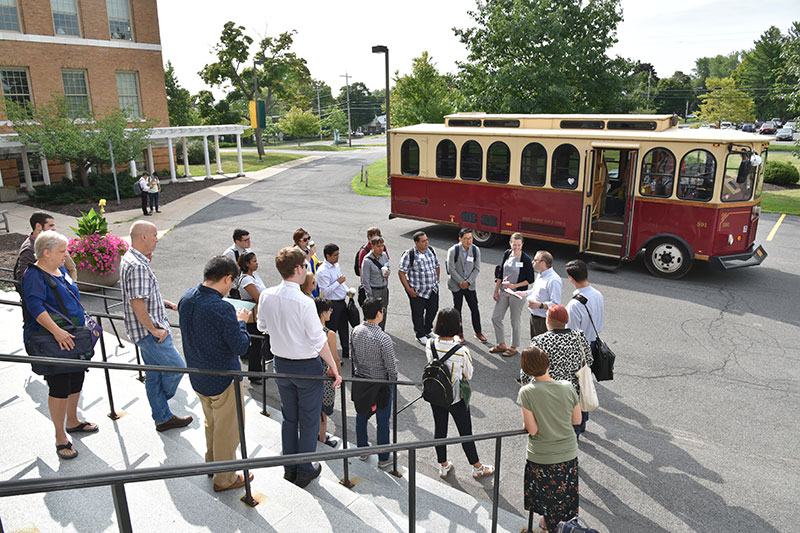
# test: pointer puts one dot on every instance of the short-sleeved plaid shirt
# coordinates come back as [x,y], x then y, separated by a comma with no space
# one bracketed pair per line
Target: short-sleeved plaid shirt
[422,275]
[139,281]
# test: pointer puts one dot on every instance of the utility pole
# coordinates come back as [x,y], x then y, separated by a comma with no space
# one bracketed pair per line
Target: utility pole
[649,75]
[380,49]
[259,141]
[349,126]
[319,113]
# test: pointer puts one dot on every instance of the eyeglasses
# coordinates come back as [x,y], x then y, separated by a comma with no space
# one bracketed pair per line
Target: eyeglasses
[305,239]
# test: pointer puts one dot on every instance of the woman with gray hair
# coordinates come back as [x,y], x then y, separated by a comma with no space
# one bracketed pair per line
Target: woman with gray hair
[41,302]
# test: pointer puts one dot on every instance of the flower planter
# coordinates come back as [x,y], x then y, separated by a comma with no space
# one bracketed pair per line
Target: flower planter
[89,276]
[8,194]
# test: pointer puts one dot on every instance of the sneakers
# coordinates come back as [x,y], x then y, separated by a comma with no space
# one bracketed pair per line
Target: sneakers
[383,464]
[445,469]
[365,457]
[483,471]
[422,340]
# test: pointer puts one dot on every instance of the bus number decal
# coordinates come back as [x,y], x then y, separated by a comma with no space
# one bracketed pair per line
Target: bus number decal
[702,224]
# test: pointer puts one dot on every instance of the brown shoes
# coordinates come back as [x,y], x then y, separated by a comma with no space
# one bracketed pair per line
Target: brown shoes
[510,352]
[481,337]
[500,348]
[174,422]
[236,484]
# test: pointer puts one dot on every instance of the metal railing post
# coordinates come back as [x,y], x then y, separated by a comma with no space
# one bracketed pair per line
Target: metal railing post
[394,471]
[113,413]
[248,495]
[496,489]
[412,490]
[121,508]
[139,362]
[263,378]
[346,466]
[113,325]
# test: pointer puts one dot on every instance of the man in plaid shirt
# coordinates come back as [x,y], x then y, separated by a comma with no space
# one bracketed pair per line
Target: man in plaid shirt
[147,324]
[419,274]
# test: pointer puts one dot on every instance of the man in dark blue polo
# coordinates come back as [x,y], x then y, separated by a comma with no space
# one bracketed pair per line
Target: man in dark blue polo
[214,335]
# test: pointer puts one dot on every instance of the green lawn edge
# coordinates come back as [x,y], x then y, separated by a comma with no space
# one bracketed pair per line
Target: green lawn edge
[377,180]
[786,201]
[250,163]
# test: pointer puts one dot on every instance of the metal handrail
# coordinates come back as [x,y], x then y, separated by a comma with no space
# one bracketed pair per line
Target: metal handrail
[6,269]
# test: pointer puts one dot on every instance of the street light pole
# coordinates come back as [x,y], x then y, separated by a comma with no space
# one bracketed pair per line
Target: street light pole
[259,141]
[349,126]
[380,49]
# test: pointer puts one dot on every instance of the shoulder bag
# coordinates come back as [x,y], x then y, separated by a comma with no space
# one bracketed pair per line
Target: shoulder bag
[588,399]
[604,357]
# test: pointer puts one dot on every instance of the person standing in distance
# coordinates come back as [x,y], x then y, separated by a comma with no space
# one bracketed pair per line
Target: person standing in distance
[331,285]
[463,266]
[298,342]
[545,292]
[419,274]
[147,325]
[145,191]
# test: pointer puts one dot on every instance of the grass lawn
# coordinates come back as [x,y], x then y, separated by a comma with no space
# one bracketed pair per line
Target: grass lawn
[315,147]
[785,157]
[785,201]
[377,180]
[230,163]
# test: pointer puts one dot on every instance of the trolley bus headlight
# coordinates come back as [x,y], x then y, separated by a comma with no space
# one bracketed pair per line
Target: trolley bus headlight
[730,239]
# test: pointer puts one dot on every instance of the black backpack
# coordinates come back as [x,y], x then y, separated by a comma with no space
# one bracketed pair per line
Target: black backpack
[437,383]
[356,263]
[234,292]
[412,254]
[472,249]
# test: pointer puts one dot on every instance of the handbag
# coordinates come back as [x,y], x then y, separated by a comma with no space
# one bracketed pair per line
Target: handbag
[604,357]
[466,391]
[353,316]
[362,295]
[588,397]
[576,525]
[88,321]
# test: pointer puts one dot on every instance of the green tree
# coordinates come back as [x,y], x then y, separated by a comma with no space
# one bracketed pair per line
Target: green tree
[759,72]
[299,124]
[281,72]
[542,56]
[179,100]
[719,66]
[334,120]
[364,105]
[725,102]
[49,131]
[790,76]
[675,94]
[212,112]
[422,96]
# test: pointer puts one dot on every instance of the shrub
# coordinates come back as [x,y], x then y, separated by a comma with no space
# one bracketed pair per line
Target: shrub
[72,192]
[780,173]
[195,151]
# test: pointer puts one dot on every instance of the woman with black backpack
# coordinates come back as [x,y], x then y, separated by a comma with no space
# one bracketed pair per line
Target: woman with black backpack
[457,360]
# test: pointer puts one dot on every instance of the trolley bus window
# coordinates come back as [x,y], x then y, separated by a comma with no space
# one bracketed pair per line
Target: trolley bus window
[566,165]
[740,176]
[471,161]
[760,180]
[409,158]
[696,178]
[446,159]
[498,162]
[658,173]
[534,165]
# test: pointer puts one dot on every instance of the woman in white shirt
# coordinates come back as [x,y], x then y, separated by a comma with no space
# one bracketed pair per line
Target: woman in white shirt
[250,287]
[448,325]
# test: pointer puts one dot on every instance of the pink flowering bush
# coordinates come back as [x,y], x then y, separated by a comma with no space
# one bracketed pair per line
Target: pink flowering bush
[95,249]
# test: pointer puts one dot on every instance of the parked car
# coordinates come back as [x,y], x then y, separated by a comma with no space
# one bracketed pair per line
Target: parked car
[749,126]
[767,128]
[725,125]
[777,122]
[785,134]
[792,124]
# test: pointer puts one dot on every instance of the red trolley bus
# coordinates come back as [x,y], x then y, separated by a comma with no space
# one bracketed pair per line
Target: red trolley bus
[612,185]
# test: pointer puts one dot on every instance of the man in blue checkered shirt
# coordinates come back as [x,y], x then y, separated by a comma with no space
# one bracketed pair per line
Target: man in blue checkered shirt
[419,274]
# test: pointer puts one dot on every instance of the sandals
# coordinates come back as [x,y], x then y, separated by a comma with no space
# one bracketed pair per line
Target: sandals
[84,427]
[510,352]
[497,349]
[67,446]
[445,469]
[483,471]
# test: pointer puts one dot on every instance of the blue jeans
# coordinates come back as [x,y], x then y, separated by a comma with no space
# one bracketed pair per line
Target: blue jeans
[382,420]
[160,386]
[301,404]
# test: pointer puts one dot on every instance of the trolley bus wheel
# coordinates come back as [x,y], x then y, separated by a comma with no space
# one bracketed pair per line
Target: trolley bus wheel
[667,258]
[484,238]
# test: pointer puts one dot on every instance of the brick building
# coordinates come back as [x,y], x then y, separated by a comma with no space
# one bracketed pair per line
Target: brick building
[98,53]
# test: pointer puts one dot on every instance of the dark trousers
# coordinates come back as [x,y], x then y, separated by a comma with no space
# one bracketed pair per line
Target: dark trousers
[463,420]
[340,325]
[144,196]
[254,352]
[301,404]
[580,428]
[423,311]
[153,200]
[472,301]
[538,325]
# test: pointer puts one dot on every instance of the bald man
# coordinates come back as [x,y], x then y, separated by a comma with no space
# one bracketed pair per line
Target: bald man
[147,324]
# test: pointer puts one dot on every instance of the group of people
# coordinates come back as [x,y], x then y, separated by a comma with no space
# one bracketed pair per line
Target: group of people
[149,189]
[296,323]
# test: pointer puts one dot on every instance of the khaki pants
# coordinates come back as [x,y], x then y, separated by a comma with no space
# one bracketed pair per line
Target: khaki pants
[222,430]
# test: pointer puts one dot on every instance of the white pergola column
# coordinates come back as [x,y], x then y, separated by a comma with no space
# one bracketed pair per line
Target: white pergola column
[172,176]
[68,169]
[216,151]
[1,178]
[186,172]
[239,154]
[150,166]
[134,172]
[26,170]
[207,159]
[45,171]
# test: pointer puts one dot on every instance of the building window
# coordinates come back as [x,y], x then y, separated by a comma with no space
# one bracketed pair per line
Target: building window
[534,165]
[498,162]
[65,17]
[9,19]
[128,91]
[77,92]
[409,158]
[446,159]
[696,178]
[471,161]
[566,164]
[119,19]
[15,85]
[658,173]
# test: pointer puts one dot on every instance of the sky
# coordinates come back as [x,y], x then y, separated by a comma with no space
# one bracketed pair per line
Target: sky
[337,37]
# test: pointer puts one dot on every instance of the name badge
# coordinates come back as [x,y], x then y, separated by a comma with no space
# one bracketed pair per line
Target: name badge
[68,279]
[518,264]
[470,259]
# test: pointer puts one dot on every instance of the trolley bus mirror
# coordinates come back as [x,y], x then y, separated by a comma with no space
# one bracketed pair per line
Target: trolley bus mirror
[756,160]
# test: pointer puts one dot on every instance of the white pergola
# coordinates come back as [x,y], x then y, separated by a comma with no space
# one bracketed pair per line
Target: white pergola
[159,137]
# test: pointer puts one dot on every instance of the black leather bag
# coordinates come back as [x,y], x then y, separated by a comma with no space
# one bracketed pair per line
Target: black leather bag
[353,316]
[604,357]
[43,344]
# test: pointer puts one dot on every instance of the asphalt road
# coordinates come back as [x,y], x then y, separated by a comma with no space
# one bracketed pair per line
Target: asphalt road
[694,434]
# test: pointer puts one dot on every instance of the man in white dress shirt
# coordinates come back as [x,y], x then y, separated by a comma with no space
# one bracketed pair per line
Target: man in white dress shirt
[546,291]
[331,284]
[298,342]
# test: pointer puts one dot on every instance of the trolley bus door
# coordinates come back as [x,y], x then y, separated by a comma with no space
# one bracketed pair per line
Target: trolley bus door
[588,193]
[631,198]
